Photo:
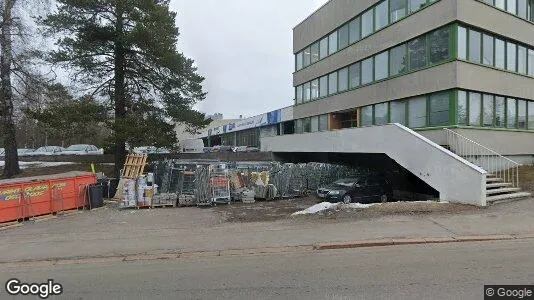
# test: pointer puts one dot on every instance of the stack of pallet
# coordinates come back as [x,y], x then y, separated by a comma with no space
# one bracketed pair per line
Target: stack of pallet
[133,189]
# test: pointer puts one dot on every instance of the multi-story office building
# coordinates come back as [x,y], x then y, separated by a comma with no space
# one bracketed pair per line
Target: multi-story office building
[427,64]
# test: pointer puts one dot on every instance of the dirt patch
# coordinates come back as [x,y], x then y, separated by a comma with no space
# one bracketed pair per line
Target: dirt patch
[261,211]
[29,172]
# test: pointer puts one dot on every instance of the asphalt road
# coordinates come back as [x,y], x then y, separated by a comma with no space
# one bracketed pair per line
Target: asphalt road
[439,271]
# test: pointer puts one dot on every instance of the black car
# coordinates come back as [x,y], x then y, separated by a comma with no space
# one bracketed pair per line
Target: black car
[370,189]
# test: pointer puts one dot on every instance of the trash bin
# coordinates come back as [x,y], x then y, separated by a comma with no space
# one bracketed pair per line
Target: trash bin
[95,196]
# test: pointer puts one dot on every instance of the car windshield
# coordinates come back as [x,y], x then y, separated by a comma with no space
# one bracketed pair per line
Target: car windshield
[346,182]
[77,148]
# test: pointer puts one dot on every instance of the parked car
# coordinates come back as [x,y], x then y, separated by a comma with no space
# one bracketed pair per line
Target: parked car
[151,150]
[83,149]
[24,151]
[47,150]
[2,152]
[362,189]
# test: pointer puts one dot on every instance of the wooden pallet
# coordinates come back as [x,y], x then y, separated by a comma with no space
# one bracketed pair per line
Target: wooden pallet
[133,168]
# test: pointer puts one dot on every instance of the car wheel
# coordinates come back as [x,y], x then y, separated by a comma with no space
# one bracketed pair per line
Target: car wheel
[384,198]
[347,199]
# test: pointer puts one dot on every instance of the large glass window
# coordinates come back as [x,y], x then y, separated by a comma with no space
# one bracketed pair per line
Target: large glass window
[323,86]
[398,112]
[415,5]
[439,45]
[315,89]
[397,10]
[381,66]
[332,43]
[367,115]
[323,122]
[511,6]
[500,54]
[306,125]
[332,83]
[487,46]
[299,94]
[343,36]
[487,109]
[367,71]
[315,124]
[398,60]
[307,57]
[381,15]
[500,112]
[522,114]
[323,48]
[530,62]
[462,108]
[298,126]
[522,60]
[343,79]
[314,53]
[511,56]
[500,4]
[522,8]
[299,61]
[439,109]
[475,108]
[367,23]
[511,112]
[354,30]
[531,115]
[474,46]
[417,112]
[354,75]
[462,42]
[307,92]
[381,114]
[417,50]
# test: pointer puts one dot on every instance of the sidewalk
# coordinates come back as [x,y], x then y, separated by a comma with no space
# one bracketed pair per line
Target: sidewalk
[108,232]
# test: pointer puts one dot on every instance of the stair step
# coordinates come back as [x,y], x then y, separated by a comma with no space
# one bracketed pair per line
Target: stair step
[493,179]
[502,191]
[498,185]
[490,175]
[507,197]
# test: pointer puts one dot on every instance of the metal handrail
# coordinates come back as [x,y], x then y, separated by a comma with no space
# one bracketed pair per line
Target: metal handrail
[486,158]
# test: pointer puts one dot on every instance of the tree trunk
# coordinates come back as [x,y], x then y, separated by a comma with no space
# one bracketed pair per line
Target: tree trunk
[119,91]
[6,95]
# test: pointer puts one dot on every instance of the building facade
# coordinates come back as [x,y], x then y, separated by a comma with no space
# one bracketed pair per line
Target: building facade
[427,64]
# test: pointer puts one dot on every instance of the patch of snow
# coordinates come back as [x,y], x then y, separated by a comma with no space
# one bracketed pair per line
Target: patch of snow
[316,208]
[359,205]
[38,164]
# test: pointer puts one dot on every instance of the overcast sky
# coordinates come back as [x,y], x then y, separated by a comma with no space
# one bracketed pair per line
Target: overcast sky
[244,50]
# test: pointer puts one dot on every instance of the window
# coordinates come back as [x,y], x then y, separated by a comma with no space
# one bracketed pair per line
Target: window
[381,114]
[487,109]
[462,43]
[511,6]
[490,2]
[323,122]
[500,54]
[307,57]
[522,8]
[381,66]
[487,46]
[511,56]
[299,94]
[474,46]
[323,48]
[367,23]
[415,5]
[343,79]
[474,109]
[332,83]
[530,62]
[298,126]
[522,114]
[439,45]
[354,30]
[323,86]
[439,109]
[522,60]
[398,112]
[500,112]
[398,60]
[367,71]
[354,75]
[417,112]
[500,4]
[511,111]
[332,43]
[531,115]
[307,92]
[530,10]
[315,124]
[299,61]
[314,53]
[381,15]
[315,89]
[367,115]
[417,51]
[306,125]
[397,10]
[343,36]
[462,108]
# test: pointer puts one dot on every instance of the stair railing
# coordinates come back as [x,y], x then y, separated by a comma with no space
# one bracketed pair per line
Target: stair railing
[484,157]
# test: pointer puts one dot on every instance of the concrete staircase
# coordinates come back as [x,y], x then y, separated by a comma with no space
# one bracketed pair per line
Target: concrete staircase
[498,191]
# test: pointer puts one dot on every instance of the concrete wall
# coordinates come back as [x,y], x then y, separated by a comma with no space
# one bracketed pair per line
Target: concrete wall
[453,177]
